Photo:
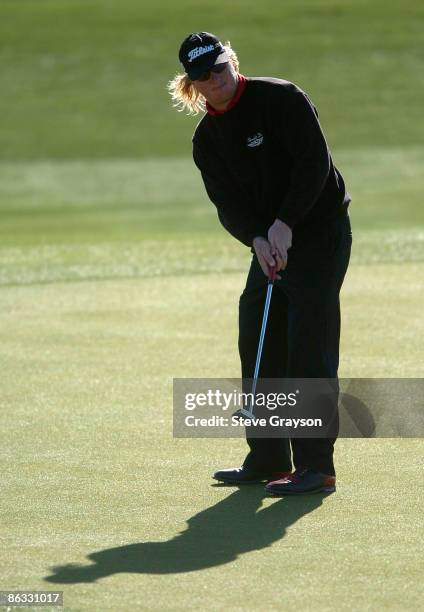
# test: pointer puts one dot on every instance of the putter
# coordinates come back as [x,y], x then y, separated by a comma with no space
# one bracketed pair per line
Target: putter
[249,412]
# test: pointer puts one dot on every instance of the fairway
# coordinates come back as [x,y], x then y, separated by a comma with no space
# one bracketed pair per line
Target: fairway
[116,277]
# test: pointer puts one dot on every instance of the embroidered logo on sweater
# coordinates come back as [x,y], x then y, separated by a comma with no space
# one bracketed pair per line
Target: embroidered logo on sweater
[256,140]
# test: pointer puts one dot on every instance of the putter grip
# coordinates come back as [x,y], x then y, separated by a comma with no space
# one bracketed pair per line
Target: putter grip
[272,273]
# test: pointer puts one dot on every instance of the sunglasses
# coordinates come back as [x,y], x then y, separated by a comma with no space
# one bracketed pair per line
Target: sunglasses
[216,69]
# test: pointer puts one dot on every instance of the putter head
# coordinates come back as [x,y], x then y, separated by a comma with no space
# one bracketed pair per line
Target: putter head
[243,412]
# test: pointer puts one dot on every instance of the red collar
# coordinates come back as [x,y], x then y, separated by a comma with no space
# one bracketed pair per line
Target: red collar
[241,86]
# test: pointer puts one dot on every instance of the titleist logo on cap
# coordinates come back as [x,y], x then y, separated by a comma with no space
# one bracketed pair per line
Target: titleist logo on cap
[199,51]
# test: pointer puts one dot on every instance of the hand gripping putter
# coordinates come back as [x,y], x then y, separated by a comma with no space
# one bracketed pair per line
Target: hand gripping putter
[272,274]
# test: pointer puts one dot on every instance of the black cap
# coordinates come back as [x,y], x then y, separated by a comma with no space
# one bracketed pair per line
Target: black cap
[199,52]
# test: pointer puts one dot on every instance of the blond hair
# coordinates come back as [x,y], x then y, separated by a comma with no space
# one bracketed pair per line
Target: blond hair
[184,94]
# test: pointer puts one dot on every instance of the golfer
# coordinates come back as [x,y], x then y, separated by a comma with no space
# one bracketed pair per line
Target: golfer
[267,168]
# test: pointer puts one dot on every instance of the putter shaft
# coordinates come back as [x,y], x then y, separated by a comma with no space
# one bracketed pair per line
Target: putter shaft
[249,412]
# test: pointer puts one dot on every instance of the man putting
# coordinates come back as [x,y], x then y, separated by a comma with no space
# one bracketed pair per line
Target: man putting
[267,168]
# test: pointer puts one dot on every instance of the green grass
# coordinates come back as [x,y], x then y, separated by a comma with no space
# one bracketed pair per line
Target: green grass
[89,464]
[65,221]
[88,79]
[115,277]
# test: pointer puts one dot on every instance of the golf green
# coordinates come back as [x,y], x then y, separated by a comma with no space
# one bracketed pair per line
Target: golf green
[116,277]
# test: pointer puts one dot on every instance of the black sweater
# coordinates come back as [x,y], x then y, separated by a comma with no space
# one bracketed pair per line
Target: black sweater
[267,158]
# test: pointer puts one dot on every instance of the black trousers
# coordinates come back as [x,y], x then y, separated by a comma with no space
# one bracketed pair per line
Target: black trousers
[302,337]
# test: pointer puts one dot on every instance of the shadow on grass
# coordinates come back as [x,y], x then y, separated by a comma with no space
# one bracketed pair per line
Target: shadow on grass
[214,536]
